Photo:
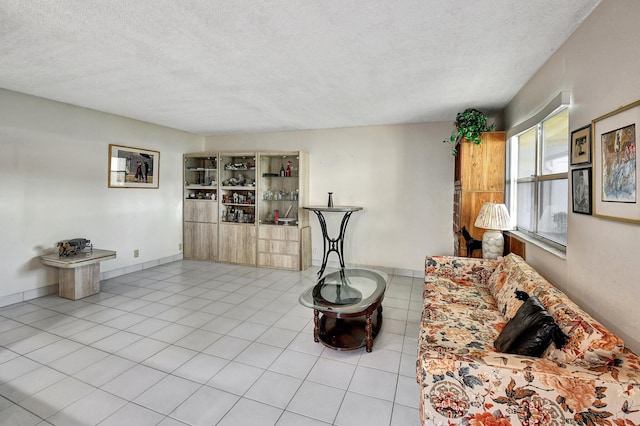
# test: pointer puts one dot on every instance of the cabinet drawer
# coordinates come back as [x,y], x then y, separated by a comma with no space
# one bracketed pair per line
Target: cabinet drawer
[278,247]
[287,233]
[282,261]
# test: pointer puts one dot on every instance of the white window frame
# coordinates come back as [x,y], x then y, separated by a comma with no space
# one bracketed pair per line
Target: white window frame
[556,106]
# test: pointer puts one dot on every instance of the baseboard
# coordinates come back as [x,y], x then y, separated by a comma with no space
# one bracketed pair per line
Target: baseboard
[53,289]
[23,296]
[139,267]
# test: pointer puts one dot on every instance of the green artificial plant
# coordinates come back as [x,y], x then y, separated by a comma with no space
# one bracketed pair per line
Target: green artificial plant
[470,125]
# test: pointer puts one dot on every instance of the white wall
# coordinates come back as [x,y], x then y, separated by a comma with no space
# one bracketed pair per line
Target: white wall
[599,66]
[53,186]
[401,174]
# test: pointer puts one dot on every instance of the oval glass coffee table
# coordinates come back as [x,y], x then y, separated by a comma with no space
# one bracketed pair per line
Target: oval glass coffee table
[347,299]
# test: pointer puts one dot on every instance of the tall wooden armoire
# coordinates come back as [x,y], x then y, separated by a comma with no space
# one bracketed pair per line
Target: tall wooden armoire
[478,178]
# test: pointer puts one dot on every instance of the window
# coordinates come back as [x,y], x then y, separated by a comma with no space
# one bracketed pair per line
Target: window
[537,183]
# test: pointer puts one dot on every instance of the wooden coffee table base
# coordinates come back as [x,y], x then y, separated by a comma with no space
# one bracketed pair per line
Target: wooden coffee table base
[347,332]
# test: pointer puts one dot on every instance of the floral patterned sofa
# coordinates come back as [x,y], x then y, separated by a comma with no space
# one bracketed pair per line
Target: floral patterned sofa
[592,380]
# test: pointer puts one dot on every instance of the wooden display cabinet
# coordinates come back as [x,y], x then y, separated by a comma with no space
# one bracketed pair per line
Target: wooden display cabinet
[284,235]
[237,212]
[238,188]
[231,204]
[479,177]
[200,209]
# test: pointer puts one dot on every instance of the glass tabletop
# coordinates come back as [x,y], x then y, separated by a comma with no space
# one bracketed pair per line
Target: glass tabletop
[346,291]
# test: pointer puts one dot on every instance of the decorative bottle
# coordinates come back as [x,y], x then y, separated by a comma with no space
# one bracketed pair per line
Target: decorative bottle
[330,203]
[282,172]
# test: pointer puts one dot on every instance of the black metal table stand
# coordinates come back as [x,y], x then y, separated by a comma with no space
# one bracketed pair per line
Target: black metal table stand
[333,244]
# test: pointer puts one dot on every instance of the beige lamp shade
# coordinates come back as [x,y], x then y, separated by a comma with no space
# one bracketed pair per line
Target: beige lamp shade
[493,216]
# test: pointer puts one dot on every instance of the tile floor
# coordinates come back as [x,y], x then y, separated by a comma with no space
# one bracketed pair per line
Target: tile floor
[202,343]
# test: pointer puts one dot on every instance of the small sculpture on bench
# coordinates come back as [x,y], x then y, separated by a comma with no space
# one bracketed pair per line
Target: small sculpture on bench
[472,243]
[73,246]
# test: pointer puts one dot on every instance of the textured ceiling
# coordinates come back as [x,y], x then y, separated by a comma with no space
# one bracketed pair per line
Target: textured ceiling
[212,66]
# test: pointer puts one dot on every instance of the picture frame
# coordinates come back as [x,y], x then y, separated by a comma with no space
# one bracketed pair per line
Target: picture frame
[615,164]
[581,190]
[131,167]
[581,146]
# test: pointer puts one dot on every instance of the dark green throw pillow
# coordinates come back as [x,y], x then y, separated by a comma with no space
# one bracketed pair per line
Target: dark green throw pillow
[530,331]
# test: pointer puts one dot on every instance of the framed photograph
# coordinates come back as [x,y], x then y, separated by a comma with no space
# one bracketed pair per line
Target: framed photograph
[581,190]
[133,167]
[615,164]
[581,146]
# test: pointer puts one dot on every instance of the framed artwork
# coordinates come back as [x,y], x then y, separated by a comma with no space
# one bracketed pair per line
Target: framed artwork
[581,190]
[615,165]
[581,145]
[133,167]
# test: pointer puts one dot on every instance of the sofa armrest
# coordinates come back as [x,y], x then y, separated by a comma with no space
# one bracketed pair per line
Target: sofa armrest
[459,269]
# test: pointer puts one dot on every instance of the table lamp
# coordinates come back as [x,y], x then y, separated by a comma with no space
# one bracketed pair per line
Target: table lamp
[494,218]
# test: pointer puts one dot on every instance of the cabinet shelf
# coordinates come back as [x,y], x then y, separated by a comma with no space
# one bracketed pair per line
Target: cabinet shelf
[200,169]
[238,204]
[224,222]
[212,186]
[238,188]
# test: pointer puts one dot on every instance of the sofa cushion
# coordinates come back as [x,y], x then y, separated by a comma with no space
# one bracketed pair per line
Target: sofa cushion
[454,331]
[459,321]
[446,291]
[530,331]
[513,274]
[465,271]
[589,343]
